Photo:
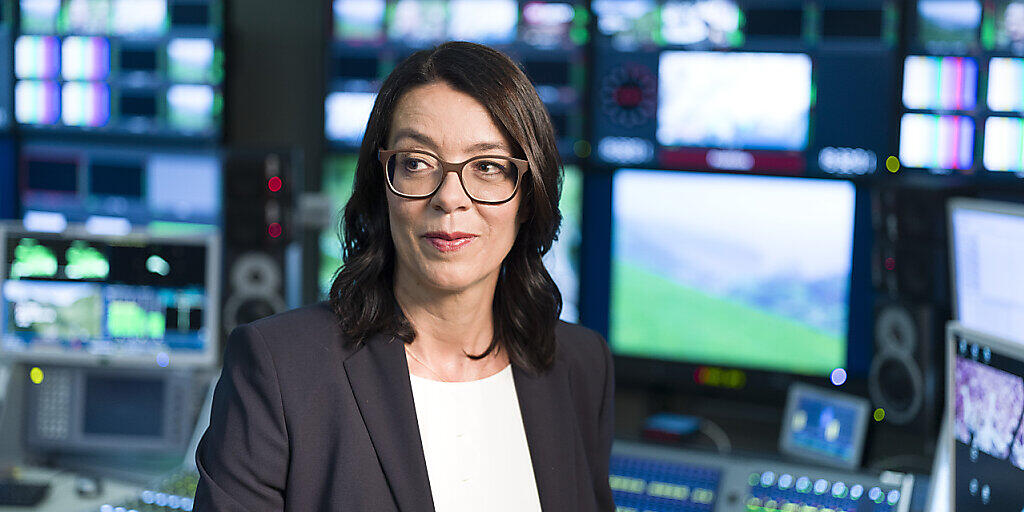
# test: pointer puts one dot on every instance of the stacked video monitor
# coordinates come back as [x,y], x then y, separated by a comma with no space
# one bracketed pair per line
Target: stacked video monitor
[75,297]
[546,38]
[744,86]
[7,195]
[736,166]
[150,68]
[962,93]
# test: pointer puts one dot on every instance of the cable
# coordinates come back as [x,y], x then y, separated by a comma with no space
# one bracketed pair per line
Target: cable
[716,435]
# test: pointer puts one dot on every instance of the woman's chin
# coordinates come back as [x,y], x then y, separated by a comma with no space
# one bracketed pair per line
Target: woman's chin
[453,278]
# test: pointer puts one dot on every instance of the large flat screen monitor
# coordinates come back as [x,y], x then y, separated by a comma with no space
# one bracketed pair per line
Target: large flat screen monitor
[987,248]
[134,300]
[985,407]
[732,270]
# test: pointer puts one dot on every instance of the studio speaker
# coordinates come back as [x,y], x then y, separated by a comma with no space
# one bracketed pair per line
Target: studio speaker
[256,235]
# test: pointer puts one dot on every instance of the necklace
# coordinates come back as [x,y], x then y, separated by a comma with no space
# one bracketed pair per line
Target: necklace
[407,351]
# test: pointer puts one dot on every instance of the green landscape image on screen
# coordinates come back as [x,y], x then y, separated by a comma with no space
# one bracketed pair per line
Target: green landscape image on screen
[738,271]
[339,174]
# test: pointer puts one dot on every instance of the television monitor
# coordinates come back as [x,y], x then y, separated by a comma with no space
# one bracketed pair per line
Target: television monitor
[825,426]
[940,83]
[346,115]
[985,408]
[755,87]
[749,272]
[987,260]
[39,16]
[950,25]
[491,22]
[1006,84]
[135,300]
[1004,144]
[417,23]
[356,20]
[161,190]
[627,23]
[1009,25]
[940,142]
[715,23]
[99,411]
[370,37]
[336,183]
[735,100]
[120,68]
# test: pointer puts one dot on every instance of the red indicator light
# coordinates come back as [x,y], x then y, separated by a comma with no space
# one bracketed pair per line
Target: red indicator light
[274,230]
[890,263]
[274,184]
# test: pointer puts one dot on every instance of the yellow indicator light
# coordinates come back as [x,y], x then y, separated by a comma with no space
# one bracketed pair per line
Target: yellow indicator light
[36,375]
[892,164]
[879,414]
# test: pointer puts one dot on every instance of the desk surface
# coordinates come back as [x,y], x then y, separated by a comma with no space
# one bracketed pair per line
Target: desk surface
[62,496]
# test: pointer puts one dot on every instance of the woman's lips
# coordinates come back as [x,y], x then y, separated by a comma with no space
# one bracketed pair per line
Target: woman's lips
[449,242]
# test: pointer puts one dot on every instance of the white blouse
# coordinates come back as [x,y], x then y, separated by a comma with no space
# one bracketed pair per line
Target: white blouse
[475,444]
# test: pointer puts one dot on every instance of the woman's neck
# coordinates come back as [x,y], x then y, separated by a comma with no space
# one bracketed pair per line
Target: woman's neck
[450,325]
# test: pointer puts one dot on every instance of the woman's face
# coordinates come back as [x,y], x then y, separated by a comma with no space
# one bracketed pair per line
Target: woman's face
[447,241]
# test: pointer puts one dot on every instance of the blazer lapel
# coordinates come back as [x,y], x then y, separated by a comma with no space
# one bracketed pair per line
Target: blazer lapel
[379,377]
[547,410]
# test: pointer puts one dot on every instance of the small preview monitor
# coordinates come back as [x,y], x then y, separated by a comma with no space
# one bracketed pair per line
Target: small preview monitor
[731,270]
[987,259]
[985,406]
[135,300]
[825,426]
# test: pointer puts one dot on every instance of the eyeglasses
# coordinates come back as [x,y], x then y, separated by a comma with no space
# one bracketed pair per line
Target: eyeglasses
[486,179]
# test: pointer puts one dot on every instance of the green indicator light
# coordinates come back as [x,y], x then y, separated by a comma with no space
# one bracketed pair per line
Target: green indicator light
[879,414]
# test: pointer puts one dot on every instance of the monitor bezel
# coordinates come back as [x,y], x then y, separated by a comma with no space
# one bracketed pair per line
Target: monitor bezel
[954,205]
[955,331]
[207,358]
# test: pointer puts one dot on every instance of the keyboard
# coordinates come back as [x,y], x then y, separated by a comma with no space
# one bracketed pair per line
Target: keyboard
[16,493]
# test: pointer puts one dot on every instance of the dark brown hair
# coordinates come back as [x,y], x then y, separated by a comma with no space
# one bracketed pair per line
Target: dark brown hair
[527,302]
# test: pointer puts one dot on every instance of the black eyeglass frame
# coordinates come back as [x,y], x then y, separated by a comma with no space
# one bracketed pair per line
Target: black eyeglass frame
[446,167]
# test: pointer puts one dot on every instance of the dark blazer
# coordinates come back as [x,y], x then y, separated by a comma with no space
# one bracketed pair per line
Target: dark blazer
[303,421]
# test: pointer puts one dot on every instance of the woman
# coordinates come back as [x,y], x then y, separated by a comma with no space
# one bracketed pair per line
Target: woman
[438,377]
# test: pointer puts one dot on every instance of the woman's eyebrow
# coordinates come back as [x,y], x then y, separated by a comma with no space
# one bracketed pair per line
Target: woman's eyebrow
[422,138]
[426,140]
[486,146]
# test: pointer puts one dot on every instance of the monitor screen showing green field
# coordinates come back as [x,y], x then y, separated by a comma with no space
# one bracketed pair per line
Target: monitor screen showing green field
[731,270]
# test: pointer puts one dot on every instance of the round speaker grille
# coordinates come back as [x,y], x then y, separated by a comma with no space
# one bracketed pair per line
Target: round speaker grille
[897,386]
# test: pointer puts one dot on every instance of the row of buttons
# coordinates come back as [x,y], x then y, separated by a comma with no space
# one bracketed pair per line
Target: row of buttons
[821,486]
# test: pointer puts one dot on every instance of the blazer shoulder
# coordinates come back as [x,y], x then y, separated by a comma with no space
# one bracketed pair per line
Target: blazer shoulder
[581,346]
[299,330]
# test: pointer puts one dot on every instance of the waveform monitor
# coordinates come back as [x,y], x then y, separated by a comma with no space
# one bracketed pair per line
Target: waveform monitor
[731,270]
[987,247]
[134,300]
[985,405]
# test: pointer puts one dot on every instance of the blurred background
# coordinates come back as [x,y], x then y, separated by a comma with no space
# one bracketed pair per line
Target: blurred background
[772,210]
